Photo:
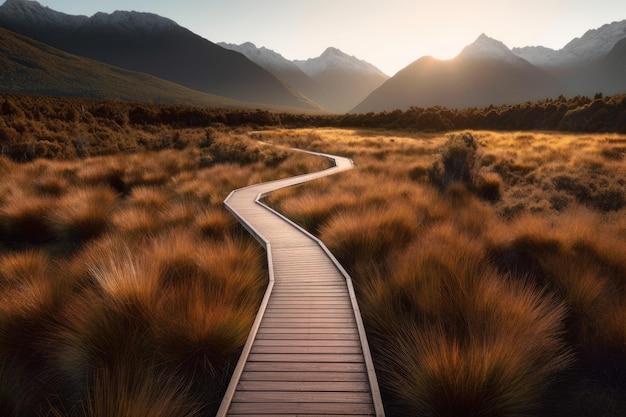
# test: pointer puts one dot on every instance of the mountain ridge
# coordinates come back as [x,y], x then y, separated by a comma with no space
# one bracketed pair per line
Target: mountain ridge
[32,67]
[593,44]
[338,81]
[486,72]
[155,45]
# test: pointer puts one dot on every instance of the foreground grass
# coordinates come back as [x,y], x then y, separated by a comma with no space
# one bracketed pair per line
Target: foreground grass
[489,267]
[125,286]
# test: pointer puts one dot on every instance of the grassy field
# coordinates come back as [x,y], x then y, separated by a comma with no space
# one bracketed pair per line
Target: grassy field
[490,267]
[126,289]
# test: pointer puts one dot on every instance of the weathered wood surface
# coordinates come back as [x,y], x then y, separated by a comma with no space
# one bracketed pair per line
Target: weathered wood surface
[307,353]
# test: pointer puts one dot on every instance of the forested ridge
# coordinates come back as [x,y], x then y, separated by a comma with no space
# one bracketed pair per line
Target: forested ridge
[38,126]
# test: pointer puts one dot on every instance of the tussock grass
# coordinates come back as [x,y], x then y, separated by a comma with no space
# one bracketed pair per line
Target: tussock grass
[83,214]
[125,287]
[24,219]
[493,292]
[138,392]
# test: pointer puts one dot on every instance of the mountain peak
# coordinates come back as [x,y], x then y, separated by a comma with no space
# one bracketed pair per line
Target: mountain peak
[132,20]
[593,45]
[486,48]
[28,13]
[333,59]
[332,51]
[21,4]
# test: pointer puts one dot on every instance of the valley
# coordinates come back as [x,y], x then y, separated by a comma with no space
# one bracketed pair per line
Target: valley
[479,231]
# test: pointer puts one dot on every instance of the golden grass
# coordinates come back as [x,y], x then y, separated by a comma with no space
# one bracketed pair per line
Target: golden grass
[492,296]
[125,287]
[483,299]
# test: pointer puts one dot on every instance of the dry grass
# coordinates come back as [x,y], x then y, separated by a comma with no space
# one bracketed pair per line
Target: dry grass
[497,293]
[125,287]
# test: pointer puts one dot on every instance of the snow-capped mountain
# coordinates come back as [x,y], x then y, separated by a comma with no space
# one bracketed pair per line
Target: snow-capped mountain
[263,56]
[593,45]
[335,80]
[486,48]
[346,79]
[24,12]
[151,44]
[332,59]
[586,65]
[124,20]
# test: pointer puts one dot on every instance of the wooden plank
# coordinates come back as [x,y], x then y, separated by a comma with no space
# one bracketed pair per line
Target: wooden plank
[308,336]
[304,386]
[301,409]
[286,323]
[313,330]
[307,349]
[302,397]
[344,321]
[303,367]
[305,376]
[308,357]
[307,343]
[299,312]
[315,309]
[294,415]
[337,304]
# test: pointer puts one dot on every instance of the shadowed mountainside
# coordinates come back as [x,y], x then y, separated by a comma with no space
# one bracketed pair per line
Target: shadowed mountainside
[152,44]
[32,67]
[484,73]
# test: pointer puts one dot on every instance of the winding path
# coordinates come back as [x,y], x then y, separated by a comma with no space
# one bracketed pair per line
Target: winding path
[307,353]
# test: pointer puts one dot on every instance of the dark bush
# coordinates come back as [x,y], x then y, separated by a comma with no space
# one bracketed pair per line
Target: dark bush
[458,162]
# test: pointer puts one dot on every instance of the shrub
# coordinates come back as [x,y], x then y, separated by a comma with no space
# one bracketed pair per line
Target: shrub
[457,163]
[489,187]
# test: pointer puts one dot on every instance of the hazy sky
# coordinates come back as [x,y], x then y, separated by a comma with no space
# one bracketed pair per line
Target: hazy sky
[387,33]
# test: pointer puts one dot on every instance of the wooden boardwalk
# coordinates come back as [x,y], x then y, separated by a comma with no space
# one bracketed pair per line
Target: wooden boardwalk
[307,354]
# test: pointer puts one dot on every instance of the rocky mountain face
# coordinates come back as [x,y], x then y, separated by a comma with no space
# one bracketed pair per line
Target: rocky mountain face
[155,45]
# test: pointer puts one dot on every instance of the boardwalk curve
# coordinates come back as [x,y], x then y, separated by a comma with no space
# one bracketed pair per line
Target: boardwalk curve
[307,353]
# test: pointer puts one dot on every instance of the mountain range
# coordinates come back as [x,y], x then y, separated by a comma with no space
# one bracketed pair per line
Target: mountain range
[335,80]
[32,67]
[154,45]
[488,72]
[141,56]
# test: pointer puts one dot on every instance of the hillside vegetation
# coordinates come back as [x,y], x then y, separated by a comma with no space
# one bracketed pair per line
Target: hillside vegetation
[52,127]
[489,267]
[31,67]
[126,289]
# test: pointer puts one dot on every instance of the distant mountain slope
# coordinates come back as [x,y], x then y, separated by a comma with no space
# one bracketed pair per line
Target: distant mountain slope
[347,79]
[593,45]
[32,67]
[284,70]
[586,65]
[611,70]
[152,44]
[335,80]
[484,73]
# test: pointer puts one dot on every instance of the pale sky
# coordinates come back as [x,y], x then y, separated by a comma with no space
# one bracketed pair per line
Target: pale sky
[387,33]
